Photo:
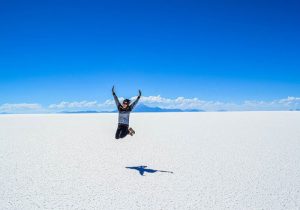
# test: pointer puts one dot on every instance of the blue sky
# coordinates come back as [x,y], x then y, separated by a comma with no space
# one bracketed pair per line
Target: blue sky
[230,51]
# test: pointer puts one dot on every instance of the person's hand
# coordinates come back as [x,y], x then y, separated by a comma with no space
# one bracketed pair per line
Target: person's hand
[140,93]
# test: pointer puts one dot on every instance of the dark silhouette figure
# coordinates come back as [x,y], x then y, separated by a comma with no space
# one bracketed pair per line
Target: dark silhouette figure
[143,169]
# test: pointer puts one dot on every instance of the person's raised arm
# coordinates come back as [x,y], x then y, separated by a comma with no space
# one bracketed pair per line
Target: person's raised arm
[136,100]
[115,97]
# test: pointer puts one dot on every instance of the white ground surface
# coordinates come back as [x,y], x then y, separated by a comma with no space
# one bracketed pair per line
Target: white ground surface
[234,160]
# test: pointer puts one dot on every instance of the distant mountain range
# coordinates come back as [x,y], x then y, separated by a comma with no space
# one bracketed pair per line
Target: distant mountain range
[139,108]
[222,110]
[81,112]
[144,108]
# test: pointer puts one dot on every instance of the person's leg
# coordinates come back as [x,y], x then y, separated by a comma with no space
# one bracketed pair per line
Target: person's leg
[118,132]
[124,131]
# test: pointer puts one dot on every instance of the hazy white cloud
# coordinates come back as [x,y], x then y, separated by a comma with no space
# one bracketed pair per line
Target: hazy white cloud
[195,103]
[289,103]
[182,103]
[20,108]
[75,104]
[107,105]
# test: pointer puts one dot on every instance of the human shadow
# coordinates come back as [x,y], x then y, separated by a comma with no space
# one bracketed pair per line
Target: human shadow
[144,169]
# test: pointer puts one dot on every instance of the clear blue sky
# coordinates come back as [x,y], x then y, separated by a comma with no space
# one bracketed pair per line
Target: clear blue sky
[214,50]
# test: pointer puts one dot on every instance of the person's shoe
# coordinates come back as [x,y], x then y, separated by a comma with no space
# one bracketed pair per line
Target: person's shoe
[131,131]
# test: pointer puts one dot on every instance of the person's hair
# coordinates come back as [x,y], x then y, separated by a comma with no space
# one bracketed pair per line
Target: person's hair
[126,101]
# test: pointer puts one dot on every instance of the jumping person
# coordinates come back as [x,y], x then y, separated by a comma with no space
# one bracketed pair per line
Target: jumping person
[124,111]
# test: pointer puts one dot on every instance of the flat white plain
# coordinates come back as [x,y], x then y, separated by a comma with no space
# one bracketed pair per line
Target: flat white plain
[231,160]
